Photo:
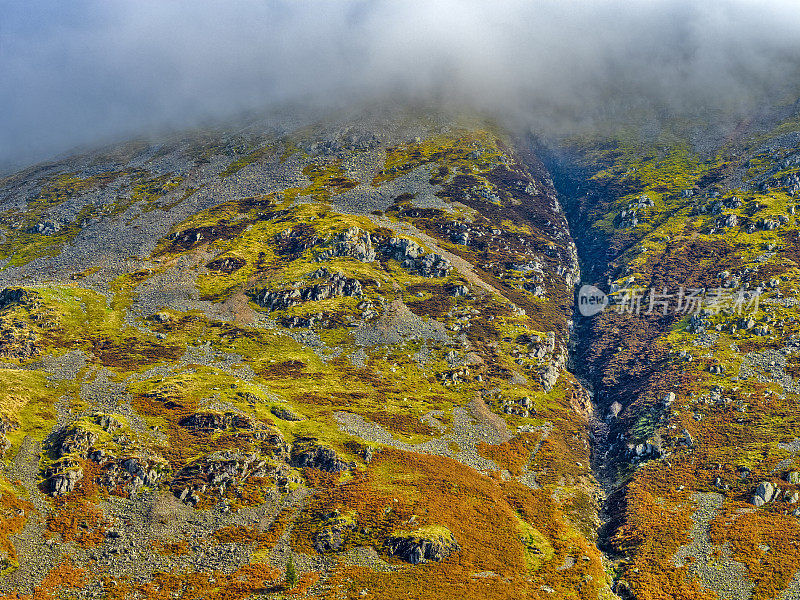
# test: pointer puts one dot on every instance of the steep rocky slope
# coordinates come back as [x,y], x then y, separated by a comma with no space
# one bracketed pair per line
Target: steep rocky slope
[345,344]
[694,369]
[354,345]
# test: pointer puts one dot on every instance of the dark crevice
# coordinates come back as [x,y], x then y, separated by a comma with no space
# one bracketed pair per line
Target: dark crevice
[574,190]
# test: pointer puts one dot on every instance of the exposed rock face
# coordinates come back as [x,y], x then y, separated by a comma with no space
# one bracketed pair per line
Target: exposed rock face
[285,414]
[433,265]
[307,453]
[412,256]
[76,440]
[129,474]
[212,421]
[216,472]
[17,340]
[61,483]
[422,545]
[16,295]
[354,243]
[335,286]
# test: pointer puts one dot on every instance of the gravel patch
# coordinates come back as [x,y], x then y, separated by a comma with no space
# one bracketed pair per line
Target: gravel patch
[725,576]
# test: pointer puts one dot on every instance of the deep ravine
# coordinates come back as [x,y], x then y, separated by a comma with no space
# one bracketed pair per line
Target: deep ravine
[569,180]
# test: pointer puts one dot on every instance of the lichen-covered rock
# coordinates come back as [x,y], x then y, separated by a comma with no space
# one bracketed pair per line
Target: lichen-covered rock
[333,532]
[765,493]
[308,453]
[218,471]
[434,265]
[413,257]
[62,478]
[214,421]
[423,545]
[335,286]
[76,440]
[129,474]
[353,243]
[285,414]
[108,423]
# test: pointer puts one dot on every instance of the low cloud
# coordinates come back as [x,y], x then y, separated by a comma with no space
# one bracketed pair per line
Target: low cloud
[85,72]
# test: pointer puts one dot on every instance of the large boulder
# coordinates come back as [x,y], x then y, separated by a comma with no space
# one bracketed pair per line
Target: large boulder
[765,492]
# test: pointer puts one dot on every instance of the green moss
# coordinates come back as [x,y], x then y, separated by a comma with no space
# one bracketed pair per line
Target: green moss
[537,548]
[28,403]
[463,151]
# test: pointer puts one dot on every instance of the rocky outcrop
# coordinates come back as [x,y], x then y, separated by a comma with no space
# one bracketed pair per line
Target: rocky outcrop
[214,421]
[353,243]
[62,478]
[284,414]
[413,257]
[17,338]
[108,423]
[308,453]
[45,228]
[75,440]
[333,533]
[549,374]
[335,286]
[18,296]
[131,473]
[217,472]
[521,406]
[423,545]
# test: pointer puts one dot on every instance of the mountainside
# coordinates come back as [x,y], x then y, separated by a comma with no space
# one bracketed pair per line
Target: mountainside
[355,348]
